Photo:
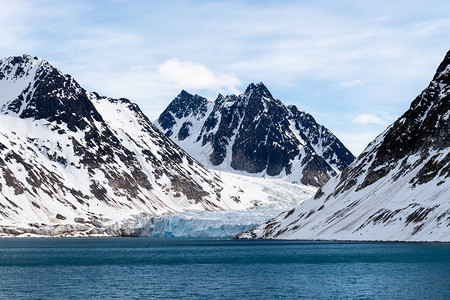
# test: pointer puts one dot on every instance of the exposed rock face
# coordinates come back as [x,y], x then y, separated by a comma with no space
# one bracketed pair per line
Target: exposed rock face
[255,133]
[68,155]
[397,189]
[181,107]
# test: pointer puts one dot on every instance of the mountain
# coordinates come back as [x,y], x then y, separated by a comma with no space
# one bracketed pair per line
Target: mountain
[74,162]
[254,133]
[397,189]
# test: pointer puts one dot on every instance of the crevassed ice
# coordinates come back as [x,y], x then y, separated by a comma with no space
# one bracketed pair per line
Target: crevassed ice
[201,224]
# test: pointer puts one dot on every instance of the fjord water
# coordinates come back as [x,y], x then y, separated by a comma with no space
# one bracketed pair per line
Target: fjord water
[145,268]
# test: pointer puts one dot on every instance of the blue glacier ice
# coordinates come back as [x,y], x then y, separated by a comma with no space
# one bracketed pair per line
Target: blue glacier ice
[200,224]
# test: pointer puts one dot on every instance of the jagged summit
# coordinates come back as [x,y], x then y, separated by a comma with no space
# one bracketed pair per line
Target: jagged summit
[259,89]
[22,62]
[397,189]
[442,71]
[256,134]
[24,67]
[184,105]
[35,89]
[188,103]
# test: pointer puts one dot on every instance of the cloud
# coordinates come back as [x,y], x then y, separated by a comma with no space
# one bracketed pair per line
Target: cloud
[189,75]
[352,83]
[295,48]
[144,83]
[364,119]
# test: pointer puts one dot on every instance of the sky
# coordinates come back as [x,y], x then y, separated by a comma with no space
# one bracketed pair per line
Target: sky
[354,65]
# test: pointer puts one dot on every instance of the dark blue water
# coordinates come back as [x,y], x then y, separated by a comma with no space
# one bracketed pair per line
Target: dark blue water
[112,268]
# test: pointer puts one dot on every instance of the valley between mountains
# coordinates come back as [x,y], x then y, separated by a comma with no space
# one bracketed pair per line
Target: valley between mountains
[75,163]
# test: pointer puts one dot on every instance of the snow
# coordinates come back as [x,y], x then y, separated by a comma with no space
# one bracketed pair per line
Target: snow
[11,85]
[395,207]
[350,215]
[30,147]
[295,132]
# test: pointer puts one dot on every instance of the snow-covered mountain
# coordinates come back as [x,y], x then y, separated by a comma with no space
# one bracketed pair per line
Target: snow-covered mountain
[397,189]
[254,133]
[73,161]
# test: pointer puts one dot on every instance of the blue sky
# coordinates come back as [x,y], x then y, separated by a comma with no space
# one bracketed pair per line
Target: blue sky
[354,65]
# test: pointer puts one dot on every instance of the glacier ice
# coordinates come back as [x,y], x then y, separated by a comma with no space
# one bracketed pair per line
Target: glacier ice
[219,224]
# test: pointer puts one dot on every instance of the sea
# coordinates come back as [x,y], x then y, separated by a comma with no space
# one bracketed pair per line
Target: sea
[174,268]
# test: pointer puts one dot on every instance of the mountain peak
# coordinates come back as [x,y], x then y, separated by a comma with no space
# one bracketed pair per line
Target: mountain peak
[185,93]
[14,67]
[255,133]
[189,100]
[24,58]
[259,89]
[443,69]
[35,89]
[182,106]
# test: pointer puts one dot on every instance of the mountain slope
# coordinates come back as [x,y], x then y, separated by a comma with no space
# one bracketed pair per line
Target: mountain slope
[397,189]
[254,133]
[81,161]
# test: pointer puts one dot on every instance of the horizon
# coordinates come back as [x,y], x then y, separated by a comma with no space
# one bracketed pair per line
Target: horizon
[354,66]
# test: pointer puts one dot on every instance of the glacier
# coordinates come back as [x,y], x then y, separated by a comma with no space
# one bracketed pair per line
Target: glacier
[218,224]
[269,197]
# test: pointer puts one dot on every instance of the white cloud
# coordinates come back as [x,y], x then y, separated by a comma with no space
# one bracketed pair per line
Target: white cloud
[144,83]
[189,75]
[352,83]
[364,119]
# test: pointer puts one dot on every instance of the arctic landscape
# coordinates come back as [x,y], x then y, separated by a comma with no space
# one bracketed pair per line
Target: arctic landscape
[224,149]
[266,121]
[75,163]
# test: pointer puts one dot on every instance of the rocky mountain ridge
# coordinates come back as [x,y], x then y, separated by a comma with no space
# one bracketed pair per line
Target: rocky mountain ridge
[254,133]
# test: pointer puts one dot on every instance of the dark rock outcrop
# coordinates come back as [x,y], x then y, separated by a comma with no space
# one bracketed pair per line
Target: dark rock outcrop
[255,133]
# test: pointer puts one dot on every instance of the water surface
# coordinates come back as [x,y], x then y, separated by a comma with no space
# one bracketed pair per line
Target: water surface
[145,268]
